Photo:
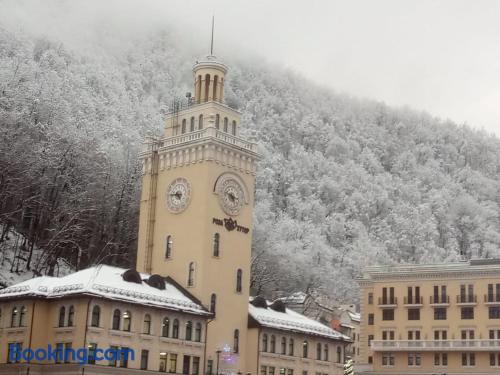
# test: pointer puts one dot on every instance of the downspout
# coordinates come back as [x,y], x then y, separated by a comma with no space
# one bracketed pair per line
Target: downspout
[31,333]
[205,347]
[86,328]
[257,370]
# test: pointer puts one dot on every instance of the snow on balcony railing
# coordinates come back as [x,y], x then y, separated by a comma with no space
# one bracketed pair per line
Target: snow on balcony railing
[209,132]
[430,345]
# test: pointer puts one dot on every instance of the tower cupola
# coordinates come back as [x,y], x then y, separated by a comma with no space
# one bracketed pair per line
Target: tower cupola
[209,75]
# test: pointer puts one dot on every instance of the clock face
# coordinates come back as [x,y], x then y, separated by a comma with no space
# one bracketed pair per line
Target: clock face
[178,195]
[231,197]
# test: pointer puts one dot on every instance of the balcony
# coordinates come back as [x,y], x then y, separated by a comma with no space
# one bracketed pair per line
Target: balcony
[492,299]
[416,301]
[435,345]
[438,301]
[387,302]
[467,299]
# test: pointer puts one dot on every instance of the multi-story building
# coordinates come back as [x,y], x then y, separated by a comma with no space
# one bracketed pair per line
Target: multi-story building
[431,319]
[195,231]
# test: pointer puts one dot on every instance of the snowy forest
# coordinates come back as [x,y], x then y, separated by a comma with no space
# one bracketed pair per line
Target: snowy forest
[343,182]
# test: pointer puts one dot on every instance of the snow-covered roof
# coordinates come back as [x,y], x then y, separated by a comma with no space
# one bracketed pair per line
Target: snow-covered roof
[354,316]
[292,321]
[297,297]
[107,282]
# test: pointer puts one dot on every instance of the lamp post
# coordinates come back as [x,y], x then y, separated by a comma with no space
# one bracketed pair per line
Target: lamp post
[218,354]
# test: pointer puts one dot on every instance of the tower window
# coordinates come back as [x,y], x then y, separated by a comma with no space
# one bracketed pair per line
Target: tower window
[146,329]
[236,345]
[239,275]
[189,330]
[168,247]
[175,329]
[191,125]
[213,301]
[200,122]
[71,315]
[127,319]
[207,86]
[183,127]
[62,315]
[217,121]
[116,320]
[165,327]
[214,91]
[233,128]
[191,274]
[225,124]
[216,246]
[96,316]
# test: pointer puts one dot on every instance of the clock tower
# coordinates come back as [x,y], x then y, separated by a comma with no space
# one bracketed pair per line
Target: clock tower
[196,211]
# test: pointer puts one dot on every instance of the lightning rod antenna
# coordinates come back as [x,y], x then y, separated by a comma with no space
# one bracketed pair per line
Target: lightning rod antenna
[212,40]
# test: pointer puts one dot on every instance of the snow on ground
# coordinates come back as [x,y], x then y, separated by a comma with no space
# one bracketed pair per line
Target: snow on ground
[13,275]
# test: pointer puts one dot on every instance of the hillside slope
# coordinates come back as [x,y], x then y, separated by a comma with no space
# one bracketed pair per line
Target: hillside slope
[343,182]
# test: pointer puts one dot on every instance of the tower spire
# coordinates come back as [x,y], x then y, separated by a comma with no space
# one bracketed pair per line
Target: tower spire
[212,39]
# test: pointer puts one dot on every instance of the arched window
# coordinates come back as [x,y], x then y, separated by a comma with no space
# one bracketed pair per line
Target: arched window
[165,327]
[13,318]
[96,316]
[305,349]
[217,121]
[62,315]
[175,329]
[273,344]
[71,316]
[318,351]
[264,342]
[22,317]
[207,86]
[233,128]
[183,128]
[214,91]
[127,319]
[283,345]
[189,330]
[191,125]
[116,319]
[216,244]
[339,354]
[191,274]
[325,349]
[198,90]
[236,345]
[146,327]
[213,301]
[168,247]
[225,124]
[200,122]
[197,332]
[290,347]
[239,275]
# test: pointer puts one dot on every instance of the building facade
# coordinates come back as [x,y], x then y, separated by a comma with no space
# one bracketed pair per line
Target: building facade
[430,319]
[195,231]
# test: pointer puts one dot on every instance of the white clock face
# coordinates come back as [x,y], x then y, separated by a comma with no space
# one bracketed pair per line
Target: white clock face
[231,197]
[178,195]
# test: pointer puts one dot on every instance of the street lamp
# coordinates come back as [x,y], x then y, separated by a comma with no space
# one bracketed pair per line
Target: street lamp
[218,354]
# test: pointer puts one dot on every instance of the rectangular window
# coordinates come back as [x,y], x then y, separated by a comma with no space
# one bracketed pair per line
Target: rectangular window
[370,359]
[370,298]
[67,349]
[440,313]
[91,350]
[413,314]
[388,314]
[14,347]
[370,339]
[196,366]
[144,359]
[263,370]
[113,360]
[271,370]
[59,352]
[173,363]
[387,359]
[494,312]
[468,359]
[186,361]
[467,312]
[124,357]
[371,319]
[282,371]
[414,359]
[290,371]
[210,367]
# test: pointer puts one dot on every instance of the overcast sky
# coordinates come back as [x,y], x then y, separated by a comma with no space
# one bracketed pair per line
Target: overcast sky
[438,56]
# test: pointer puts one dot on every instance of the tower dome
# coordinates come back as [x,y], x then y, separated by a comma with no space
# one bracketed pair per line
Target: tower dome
[209,75]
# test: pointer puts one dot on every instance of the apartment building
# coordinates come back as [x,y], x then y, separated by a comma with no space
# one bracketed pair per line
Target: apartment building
[431,319]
